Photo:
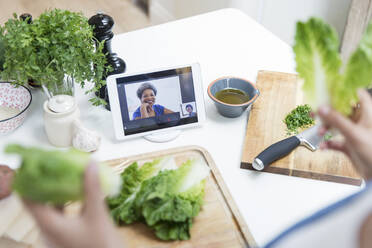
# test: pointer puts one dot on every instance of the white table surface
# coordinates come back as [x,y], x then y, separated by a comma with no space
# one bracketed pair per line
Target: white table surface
[225,42]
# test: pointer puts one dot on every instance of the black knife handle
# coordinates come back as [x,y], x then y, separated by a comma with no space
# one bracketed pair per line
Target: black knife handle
[275,152]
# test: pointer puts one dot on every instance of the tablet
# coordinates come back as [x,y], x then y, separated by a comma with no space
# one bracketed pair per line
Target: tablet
[156,101]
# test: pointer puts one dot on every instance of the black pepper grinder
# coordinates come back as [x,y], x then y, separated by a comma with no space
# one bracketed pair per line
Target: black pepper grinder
[102,26]
[26,16]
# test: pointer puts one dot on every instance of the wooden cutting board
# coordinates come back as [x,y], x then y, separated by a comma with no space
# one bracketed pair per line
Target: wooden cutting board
[219,224]
[280,94]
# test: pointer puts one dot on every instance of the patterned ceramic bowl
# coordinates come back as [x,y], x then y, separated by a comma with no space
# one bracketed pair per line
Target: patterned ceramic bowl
[14,102]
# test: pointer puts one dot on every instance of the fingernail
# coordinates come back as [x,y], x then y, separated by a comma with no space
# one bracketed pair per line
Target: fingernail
[324,110]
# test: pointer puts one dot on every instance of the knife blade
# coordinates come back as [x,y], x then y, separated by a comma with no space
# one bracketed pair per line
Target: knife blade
[308,138]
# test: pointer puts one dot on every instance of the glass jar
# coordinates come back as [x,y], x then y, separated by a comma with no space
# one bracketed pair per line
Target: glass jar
[60,87]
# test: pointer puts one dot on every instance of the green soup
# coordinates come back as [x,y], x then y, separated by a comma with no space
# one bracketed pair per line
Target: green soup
[232,96]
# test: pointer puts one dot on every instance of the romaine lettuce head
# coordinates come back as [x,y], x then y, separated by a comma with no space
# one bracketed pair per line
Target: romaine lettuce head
[319,65]
[318,61]
[122,206]
[56,177]
[166,200]
[172,199]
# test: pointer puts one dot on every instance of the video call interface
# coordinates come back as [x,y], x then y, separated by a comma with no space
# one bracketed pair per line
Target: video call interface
[157,100]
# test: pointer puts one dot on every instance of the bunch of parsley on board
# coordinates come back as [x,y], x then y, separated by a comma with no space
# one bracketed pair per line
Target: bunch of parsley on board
[163,196]
[298,119]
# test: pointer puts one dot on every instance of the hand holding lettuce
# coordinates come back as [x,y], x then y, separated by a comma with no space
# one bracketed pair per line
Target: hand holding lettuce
[319,64]
[56,177]
[158,193]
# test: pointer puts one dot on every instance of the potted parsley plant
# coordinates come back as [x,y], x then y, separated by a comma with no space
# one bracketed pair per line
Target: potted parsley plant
[52,50]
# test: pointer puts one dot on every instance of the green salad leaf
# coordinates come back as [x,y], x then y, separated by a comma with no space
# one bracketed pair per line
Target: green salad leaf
[123,209]
[56,177]
[318,61]
[320,66]
[358,73]
[167,200]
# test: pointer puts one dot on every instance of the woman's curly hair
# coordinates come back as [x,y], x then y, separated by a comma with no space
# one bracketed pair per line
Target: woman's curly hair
[144,87]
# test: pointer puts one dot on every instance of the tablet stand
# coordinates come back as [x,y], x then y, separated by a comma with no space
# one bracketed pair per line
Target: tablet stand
[163,137]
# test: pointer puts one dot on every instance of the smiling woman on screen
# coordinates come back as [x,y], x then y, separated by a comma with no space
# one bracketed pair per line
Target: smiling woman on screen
[147,95]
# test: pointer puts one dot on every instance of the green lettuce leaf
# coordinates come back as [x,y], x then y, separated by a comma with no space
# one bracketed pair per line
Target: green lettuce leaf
[168,230]
[122,206]
[56,176]
[173,197]
[319,65]
[318,61]
[358,73]
[168,201]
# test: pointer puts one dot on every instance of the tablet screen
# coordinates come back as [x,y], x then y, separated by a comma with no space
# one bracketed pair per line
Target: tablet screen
[157,100]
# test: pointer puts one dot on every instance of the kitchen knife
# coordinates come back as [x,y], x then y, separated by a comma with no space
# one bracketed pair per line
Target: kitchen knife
[308,138]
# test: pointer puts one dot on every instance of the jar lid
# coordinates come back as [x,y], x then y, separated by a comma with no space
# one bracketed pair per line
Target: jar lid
[61,103]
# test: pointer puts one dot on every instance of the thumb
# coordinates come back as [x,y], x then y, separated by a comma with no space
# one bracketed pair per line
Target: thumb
[94,197]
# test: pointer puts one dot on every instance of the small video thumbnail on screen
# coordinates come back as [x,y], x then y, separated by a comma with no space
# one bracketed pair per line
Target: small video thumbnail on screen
[157,97]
